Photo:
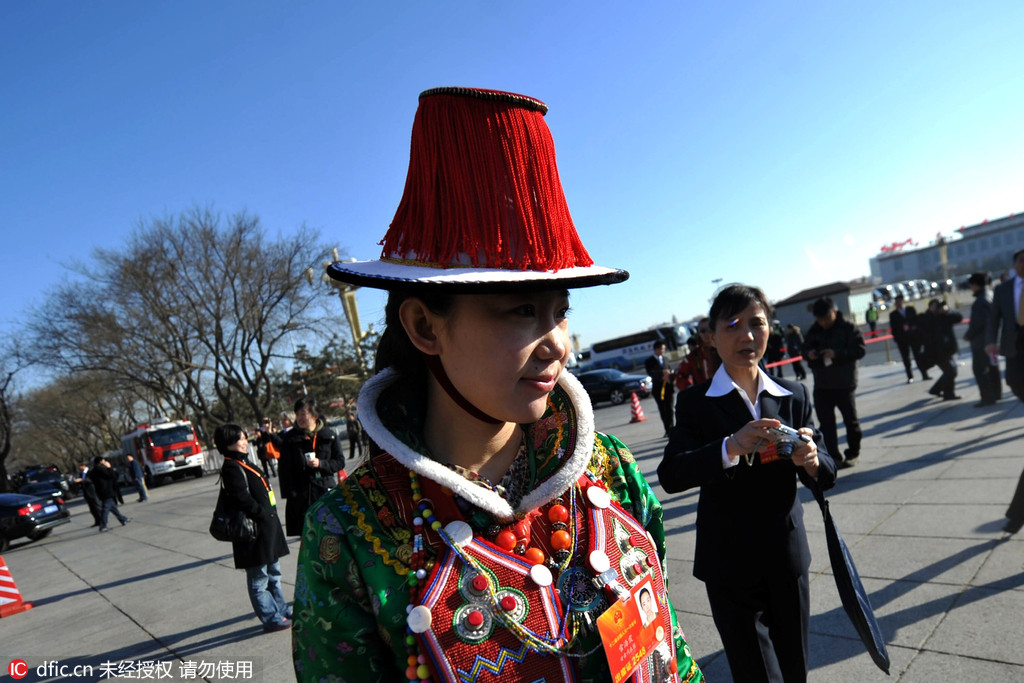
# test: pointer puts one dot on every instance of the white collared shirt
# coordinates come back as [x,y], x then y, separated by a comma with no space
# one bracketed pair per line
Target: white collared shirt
[722,384]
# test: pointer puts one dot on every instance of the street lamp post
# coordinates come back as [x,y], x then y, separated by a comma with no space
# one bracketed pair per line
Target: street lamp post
[347,294]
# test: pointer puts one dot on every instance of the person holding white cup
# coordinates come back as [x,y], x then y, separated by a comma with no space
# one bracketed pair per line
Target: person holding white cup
[311,458]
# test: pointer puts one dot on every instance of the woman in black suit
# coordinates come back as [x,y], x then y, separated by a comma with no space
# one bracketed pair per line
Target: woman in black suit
[751,550]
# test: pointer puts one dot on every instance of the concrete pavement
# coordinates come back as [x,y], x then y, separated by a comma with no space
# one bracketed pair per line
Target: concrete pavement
[922,514]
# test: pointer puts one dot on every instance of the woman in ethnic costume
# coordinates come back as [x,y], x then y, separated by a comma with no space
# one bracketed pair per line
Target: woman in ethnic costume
[492,525]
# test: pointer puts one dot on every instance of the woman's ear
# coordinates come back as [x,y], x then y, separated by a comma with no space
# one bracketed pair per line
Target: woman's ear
[421,324]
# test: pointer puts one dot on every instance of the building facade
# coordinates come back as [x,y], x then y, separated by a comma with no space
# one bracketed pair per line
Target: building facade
[988,246]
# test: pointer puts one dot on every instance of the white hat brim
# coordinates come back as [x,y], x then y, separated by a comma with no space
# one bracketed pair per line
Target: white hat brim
[388,275]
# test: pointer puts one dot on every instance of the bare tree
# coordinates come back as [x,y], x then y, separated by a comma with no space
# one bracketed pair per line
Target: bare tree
[8,369]
[188,315]
[67,422]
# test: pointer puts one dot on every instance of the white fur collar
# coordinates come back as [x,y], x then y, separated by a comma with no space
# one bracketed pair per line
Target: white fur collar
[573,465]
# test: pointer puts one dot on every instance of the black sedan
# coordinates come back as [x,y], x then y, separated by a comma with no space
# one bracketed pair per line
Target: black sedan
[52,476]
[29,516]
[44,489]
[614,385]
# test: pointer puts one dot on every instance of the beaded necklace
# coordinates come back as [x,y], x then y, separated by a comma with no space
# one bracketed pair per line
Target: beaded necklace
[514,538]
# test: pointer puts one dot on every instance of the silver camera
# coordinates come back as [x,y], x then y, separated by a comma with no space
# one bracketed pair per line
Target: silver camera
[786,439]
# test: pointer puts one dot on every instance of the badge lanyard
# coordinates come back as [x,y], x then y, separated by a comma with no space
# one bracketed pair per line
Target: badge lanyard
[270,491]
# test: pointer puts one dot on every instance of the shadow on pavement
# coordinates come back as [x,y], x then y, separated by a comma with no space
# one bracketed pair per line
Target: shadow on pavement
[163,651]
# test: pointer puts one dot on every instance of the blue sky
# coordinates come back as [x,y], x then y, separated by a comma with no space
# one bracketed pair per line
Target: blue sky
[775,143]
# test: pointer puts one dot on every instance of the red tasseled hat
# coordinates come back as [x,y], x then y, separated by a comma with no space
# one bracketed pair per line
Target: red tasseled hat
[483,208]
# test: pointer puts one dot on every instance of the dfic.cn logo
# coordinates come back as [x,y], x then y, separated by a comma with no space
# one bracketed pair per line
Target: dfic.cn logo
[17,668]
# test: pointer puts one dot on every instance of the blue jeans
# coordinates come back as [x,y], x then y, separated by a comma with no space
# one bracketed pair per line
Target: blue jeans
[264,583]
[110,505]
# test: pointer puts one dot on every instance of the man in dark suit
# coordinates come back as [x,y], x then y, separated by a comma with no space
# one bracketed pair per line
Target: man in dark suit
[1004,336]
[105,480]
[89,494]
[903,321]
[832,348]
[663,386]
[751,551]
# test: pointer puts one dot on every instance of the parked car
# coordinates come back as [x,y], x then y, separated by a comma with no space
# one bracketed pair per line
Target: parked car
[44,489]
[614,385]
[33,517]
[49,475]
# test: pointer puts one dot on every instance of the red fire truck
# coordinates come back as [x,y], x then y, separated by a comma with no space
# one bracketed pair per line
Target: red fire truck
[165,449]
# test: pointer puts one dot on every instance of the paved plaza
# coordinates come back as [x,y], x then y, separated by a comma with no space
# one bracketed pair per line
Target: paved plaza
[922,514]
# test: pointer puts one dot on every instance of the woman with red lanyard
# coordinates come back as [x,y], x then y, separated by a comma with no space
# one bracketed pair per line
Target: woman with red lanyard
[247,490]
[311,458]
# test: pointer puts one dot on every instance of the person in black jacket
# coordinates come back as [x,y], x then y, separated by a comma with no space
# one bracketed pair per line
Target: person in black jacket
[794,347]
[311,458]
[990,385]
[89,493]
[903,323]
[246,490]
[104,479]
[832,348]
[751,551]
[265,437]
[940,347]
[662,386]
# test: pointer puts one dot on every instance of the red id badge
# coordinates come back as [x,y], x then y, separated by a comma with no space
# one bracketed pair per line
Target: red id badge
[631,630]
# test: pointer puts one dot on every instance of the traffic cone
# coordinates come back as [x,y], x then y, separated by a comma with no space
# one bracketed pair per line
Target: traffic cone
[638,412]
[10,597]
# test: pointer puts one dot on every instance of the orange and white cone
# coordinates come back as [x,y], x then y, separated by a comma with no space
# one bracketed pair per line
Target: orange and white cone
[10,597]
[638,412]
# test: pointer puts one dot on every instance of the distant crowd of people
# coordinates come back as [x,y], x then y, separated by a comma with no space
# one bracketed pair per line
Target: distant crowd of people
[833,346]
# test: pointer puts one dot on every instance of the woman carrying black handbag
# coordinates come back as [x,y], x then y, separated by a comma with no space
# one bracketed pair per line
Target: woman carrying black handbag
[246,490]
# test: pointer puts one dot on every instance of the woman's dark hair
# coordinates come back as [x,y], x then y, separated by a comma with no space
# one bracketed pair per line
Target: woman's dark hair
[734,299]
[395,350]
[225,436]
[307,402]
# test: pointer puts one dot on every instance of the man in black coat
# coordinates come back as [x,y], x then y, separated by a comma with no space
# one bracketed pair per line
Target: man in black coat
[662,386]
[103,477]
[311,458]
[903,321]
[986,373]
[1005,337]
[832,348]
[89,494]
[940,347]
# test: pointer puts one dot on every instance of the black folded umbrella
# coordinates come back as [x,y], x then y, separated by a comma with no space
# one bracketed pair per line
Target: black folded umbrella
[851,590]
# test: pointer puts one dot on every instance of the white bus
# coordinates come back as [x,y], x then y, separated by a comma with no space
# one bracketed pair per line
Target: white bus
[631,350]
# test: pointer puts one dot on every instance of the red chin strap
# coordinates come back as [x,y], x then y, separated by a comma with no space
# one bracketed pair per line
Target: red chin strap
[437,370]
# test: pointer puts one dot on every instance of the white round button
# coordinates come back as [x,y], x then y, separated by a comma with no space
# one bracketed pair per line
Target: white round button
[659,633]
[419,619]
[599,562]
[460,532]
[598,497]
[541,575]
